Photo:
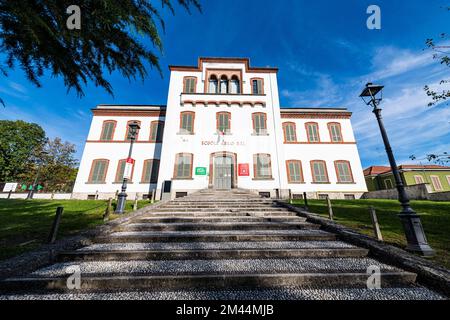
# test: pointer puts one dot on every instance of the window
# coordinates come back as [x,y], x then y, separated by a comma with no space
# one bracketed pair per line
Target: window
[183,166]
[319,171]
[213,84]
[262,166]
[150,171]
[120,171]
[156,131]
[224,122]
[224,84]
[235,87]
[187,122]
[312,131]
[294,171]
[289,132]
[257,86]
[343,172]
[323,196]
[259,123]
[98,171]
[436,183]
[388,184]
[127,135]
[335,132]
[419,179]
[108,130]
[189,85]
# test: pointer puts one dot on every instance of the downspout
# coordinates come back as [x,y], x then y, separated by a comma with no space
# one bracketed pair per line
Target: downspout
[275,135]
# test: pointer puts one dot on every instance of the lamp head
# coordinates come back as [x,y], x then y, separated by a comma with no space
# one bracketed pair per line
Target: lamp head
[372,92]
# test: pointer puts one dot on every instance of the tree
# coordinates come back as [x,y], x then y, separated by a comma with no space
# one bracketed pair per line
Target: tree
[441,55]
[19,143]
[59,167]
[34,34]
[442,159]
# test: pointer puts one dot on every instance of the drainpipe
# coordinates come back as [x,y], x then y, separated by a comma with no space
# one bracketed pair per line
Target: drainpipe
[275,134]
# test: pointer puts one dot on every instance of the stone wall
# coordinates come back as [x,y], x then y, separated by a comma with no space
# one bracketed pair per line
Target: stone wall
[415,192]
[46,196]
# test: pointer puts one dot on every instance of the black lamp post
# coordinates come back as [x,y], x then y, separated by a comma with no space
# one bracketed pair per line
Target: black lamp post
[415,235]
[40,163]
[122,197]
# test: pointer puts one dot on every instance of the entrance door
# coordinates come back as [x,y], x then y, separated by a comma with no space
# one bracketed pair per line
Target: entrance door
[223,172]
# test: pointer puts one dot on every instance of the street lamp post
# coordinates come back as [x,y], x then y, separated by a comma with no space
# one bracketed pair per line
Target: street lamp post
[33,186]
[415,235]
[122,197]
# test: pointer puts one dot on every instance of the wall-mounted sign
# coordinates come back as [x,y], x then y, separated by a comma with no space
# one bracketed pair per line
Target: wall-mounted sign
[244,169]
[200,171]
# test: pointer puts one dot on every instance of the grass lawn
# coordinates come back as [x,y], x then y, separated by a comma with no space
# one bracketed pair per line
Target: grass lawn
[355,214]
[26,224]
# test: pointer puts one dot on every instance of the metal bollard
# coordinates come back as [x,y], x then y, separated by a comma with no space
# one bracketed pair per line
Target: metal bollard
[55,226]
[305,198]
[376,226]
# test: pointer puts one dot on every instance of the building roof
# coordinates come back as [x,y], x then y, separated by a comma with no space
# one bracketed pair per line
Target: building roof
[202,60]
[376,170]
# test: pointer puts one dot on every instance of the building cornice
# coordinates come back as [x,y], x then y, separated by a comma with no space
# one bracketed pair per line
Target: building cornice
[245,61]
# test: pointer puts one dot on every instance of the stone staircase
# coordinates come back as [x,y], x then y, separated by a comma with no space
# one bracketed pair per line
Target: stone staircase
[217,245]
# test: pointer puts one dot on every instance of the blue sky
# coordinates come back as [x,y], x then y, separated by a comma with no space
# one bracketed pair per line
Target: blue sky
[325,55]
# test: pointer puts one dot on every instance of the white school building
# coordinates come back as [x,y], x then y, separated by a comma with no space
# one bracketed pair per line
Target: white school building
[222,128]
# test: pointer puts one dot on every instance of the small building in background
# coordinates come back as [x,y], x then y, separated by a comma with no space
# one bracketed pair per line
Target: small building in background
[436,176]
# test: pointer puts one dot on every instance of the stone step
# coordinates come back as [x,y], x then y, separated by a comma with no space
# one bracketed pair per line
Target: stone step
[237,219]
[186,236]
[175,274]
[219,209]
[240,245]
[221,214]
[289,293]
[124,255]
[187,226]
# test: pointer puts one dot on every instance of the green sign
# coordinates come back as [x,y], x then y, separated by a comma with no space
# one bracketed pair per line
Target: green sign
[200,171]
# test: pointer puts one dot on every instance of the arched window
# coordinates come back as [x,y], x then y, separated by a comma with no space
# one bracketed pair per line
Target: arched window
[312,131]
[319,171]
[224,122]
[156,131]
[213,84]
[98,172]
[257,85]
[127,136]
[290,134]
[259,123]
[262,166]
[294,171]
[224,84]
[235,87]
[189,85]
[150,171]
[108,129]
[343,171]
[121,170]
[335,132]
[183,166]
[187,122]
